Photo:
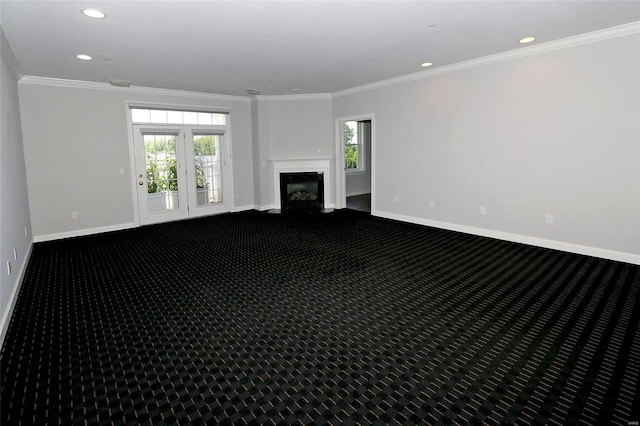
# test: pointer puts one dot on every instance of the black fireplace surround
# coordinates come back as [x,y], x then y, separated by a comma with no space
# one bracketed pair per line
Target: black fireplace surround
[302,191]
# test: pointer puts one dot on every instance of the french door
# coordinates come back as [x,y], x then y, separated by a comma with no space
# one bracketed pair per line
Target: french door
[181,172]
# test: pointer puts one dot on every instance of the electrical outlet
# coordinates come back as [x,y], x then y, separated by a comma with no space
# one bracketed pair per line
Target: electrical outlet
[483,210]
[396,199]
[548,219]
[432,204]
[74,215]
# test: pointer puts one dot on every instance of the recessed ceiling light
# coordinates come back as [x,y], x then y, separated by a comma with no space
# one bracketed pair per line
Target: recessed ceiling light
[527,40]
[84,57]
[426,64]
[94,13]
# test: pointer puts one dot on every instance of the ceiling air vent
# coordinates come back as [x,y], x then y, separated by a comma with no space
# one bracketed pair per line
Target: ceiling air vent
[120,83]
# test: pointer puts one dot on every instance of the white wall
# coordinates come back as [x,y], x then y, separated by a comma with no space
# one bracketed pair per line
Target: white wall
[261,153]
[14,207]
[301,129]
[552,133]
[291,127]
[76,139]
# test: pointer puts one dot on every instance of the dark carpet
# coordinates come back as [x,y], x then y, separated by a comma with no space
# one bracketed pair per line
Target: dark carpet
[338,318]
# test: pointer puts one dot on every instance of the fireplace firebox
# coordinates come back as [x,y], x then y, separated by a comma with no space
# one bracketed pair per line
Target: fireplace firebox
[302,191]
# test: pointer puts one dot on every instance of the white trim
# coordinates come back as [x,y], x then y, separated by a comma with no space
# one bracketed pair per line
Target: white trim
[244,208]
[7,53]
[267,207]
[120,227]
[132,168]
[356,193]
[517,238]
[341,173]
[77,84]
[13,298]
[300,97]
[592,37]
[176,107]
[190,210]
[84,232]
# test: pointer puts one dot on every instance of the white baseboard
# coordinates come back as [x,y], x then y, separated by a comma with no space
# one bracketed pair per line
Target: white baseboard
[506,236]
[6,317]
[356,193]
[265,208]
[244,208]
[517,238]
[83,232]
[110,228]
[274,207]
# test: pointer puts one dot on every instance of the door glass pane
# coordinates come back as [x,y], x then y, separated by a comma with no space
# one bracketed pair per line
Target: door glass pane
[162,175]
[207,156]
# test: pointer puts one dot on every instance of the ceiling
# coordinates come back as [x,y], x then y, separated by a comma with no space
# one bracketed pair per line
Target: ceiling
[282,47]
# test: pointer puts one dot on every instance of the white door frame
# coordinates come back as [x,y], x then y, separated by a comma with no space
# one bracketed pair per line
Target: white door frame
[188,200]
[341,174]
[227,203]
[144,216]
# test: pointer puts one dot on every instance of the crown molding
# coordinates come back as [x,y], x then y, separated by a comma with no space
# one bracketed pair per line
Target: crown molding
[78,84]
[297,97]
[8,55]
[592,37]
[587,38]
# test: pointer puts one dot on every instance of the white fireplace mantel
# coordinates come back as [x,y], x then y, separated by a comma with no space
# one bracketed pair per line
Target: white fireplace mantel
[319,165]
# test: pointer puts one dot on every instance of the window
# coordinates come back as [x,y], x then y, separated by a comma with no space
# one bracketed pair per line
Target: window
[161,116]
[353,146]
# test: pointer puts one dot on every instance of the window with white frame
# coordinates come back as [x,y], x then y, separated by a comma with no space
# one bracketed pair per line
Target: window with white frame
[354,158]
[162,116]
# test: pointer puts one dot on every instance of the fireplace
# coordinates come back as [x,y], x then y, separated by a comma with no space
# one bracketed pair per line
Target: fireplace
[302,191]
[314,166]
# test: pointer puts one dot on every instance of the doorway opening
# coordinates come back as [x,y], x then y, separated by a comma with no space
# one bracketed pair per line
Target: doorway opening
[182,164]
[355,151]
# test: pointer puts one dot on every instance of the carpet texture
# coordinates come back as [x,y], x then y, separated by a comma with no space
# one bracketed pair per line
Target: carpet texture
[338,318]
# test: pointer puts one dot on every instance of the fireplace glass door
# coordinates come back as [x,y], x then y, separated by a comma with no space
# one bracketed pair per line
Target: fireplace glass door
[301,191]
